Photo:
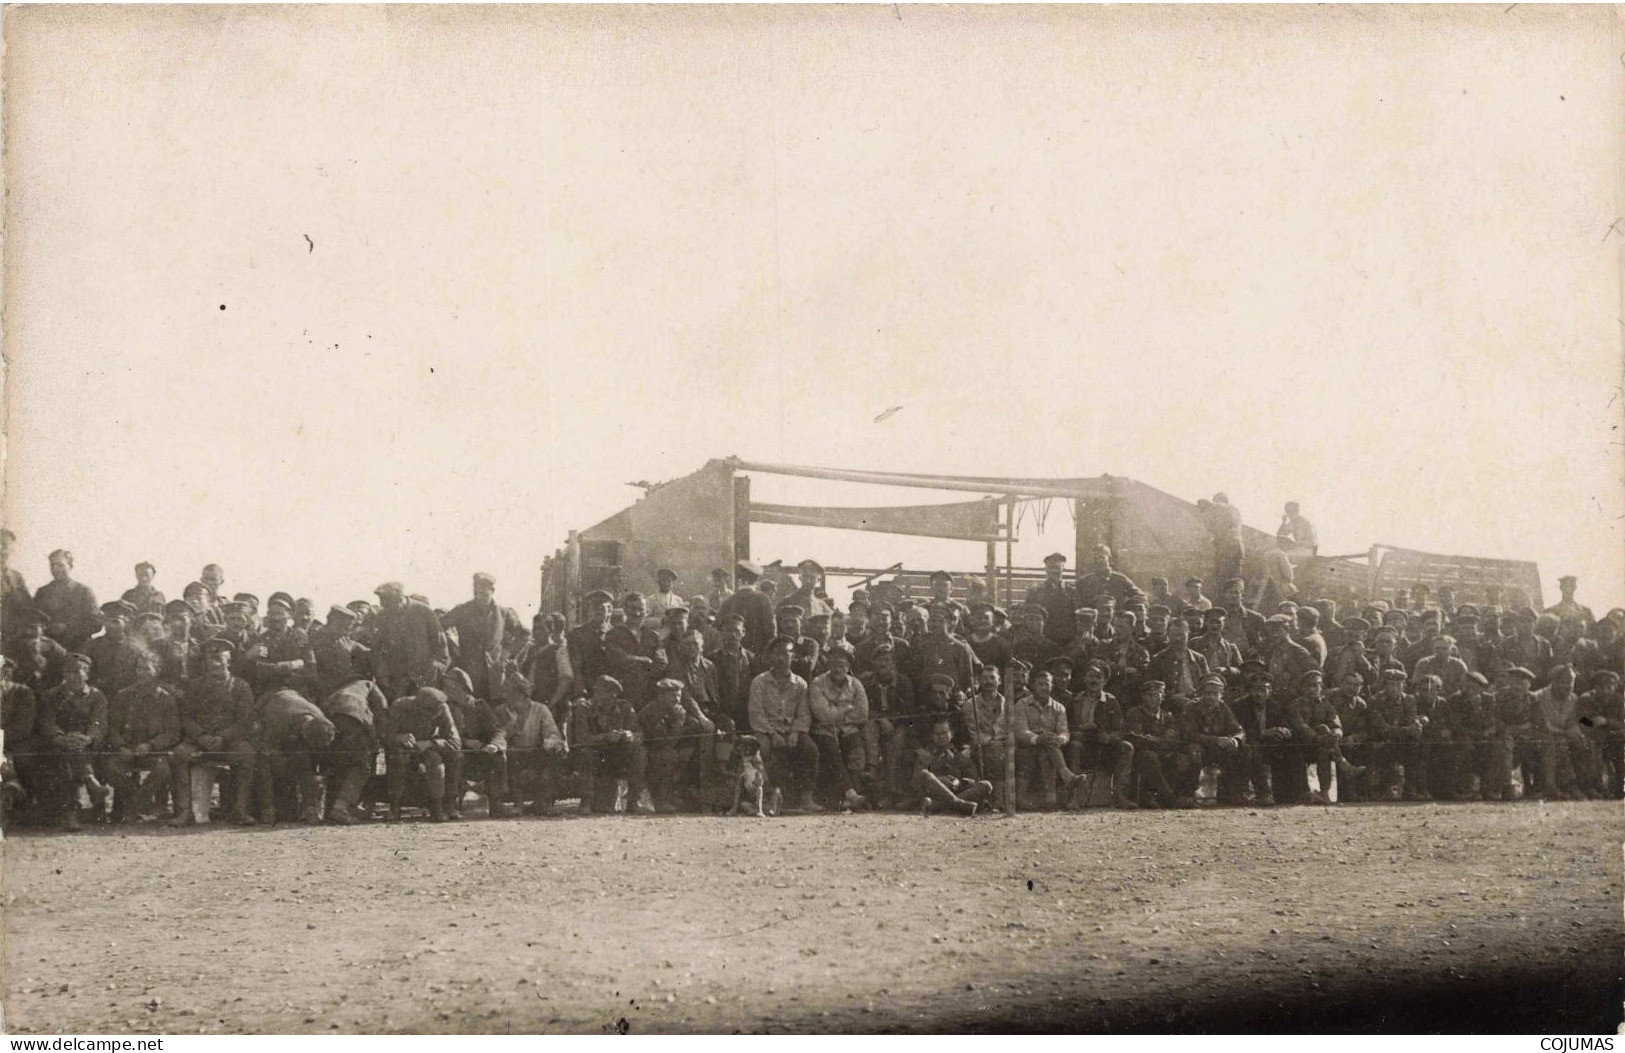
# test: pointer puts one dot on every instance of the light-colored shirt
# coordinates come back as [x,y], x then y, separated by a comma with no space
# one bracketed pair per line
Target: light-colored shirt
[778,707]
[832,706]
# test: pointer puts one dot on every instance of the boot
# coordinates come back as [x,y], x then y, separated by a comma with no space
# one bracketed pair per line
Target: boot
[347,799]
[805,802]
[243,794]
[496,807]
[310,799]
[70,819]
[434,787]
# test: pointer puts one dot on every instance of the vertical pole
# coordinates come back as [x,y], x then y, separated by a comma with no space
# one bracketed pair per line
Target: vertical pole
[993,573]
[1009,682]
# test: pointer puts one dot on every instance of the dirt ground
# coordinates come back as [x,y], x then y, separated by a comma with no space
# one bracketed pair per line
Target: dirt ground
[1402,917]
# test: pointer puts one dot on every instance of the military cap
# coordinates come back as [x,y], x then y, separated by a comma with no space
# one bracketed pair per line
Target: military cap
[597,596]
[285,597]
[745,566]
[669,684]
[941,678]
[1387,630]
[780,641]
[431,694]
[278,601]
[1310,673]
[1570,578]
[1215,612]
[1378,605]
[1394,674]
[1396,615]
[360,606]
[1086,612]
[818,616]
[665,572]
[1467,612]
[1355,624]
[176,608]
[1596,675]
[1519,671]
[148,617]
[813,563]
[194,586]
[80,659]
[1021,664]
[883,606]
[113,608]
[1212,678]
[732,619]
[390,586]
[216,644]
[1054,558]
[1060,660]
[1478,678]
[1033,610]
[1186,612]
[246,597]
[1280,619]
[459,675]
[942,575]
[1253,665]
[234,607]
[838,652]
[336,613]
[1096,665]
[792,608]
[605,680]
[1158,608]
[62,554]
[1147,685]
[881,649]
[1193,581]
[981,605]
[676,609]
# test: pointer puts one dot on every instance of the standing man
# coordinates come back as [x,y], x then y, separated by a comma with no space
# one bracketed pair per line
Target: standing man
[1057,598]
[1275,578]
[752,605]
[939,653]
[720,589]
[144,598]
[483,630]
[213,579]
[114,653]
[1220,653]
[587,643]
[69,607]
[1243,626]
[1223,521]
[1194,596]
[663,599]
[412,648]
[1102,580]
[16,603]
[1566,608]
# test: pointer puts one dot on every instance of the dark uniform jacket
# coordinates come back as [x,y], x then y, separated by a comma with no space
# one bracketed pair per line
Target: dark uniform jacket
[361,701]
[74,615]
[282,713]
[112,662]
[145,598]
[476,721]
[19,715]
[215,706]
[1202,718]
[64,712]
[144,714]
[425,720]
[273,657]
[1058,601]
[757,610]
[411,645]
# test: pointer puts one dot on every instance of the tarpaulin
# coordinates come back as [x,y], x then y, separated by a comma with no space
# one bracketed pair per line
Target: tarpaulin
[964,520]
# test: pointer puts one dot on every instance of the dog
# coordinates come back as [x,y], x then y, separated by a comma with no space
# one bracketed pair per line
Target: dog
[750,785]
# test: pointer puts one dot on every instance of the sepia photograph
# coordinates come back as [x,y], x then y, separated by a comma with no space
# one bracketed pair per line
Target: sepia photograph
[812,519]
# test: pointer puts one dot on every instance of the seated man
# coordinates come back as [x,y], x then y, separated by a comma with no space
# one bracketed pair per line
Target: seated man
[529,737]
[610,749]
[1208,725]
[674,730]
[292,733]
[143,726]
[1396,731]
[476,761]
[1518,742]
[1317,731]
[781,719]
[1462,727]
[1565,750]
[890,696]
[1268,757]
[217,728]
[1096,731]
[945,776]
[840,709]
[19,717]
[420,737]
[1163,761]
[984,726]
[73,722]
[358,711]
[1041,737]
[1602,715]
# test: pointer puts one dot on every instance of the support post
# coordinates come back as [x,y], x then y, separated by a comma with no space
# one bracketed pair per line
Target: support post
[1009,682]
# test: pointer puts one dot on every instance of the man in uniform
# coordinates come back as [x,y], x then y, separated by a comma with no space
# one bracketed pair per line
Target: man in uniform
[662,600]
[1243,626]
[73,723]
[634,652]
[1041,739]
[483,628]
[989,647]
[938,652]
[945,776]
[1442,663]
[358,710]
[1095,726]
[282,655]
[69,607]
[781,718]
[217,727]
[207,618]
[1163,761]
[720,589]
[1566,608]
[144,597]
[529,737]
[411,650]
[1223,521]
[339,657]
[891,696]
[675,730]
[143,726]
[1565,751]
[1602,715]
[1317,731]
[180,656]
[1057,598]
[1179,667]
[421,736]
[984,723]
[213,579]
[1031,641]
[477,758]
[114,653]
[19,718]
[16,602]
[752,605]
[292,730]
[1209,726]
[1396,731]
[611,749]
[1518,740]
[1102,580]
[840,713]
[1270,761]
[1284,657]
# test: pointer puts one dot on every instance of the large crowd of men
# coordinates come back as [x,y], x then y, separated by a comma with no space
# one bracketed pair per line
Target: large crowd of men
[140,708]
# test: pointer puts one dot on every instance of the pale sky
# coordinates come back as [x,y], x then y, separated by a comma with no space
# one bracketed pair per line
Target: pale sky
[339,295]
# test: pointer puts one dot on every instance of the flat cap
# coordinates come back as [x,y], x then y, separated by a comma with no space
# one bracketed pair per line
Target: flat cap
[390,586]
[605,680]
[80,659]
[482,576]
[1213,678]
[278,601]
[666,572]
[792,608]
[941,575]
[115,608]
[1053,558]
[1394,674]
[747,567]
[246,597]
[216,644]
[176,608]
[677,608]
[1280,619]
[942,678]
[1355,624]
[336,613]
[1520,672]
[669,684]
[284,597]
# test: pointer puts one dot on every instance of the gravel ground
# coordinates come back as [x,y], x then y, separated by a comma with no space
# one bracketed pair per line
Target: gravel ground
[1374,918]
